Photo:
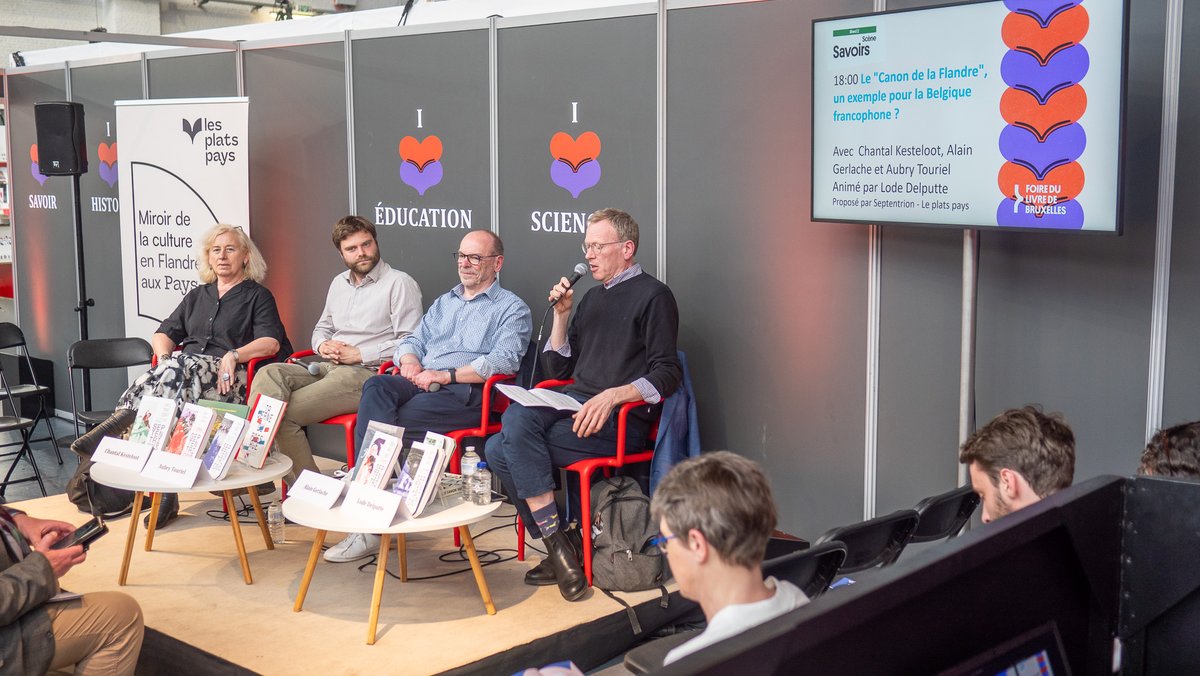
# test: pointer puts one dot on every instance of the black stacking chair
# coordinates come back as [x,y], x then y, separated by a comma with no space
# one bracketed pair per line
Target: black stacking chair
[12,392]
[943,516]
[102,353]
[812,570]
[876,542]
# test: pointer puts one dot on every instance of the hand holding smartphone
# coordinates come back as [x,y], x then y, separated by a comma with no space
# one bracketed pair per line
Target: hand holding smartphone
[84,535]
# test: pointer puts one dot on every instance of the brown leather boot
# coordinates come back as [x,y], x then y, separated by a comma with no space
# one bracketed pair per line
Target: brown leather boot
[116,425]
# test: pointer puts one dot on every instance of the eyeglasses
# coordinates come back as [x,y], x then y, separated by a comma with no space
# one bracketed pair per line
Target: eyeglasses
[597,248]
[661,540]
[474,259]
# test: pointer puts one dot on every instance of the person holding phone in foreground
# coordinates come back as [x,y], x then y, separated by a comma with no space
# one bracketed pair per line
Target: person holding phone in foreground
[99,632]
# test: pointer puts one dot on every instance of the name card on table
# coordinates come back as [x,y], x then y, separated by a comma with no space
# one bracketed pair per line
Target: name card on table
[169,468]
[370,507]
[122,453]
[316,489]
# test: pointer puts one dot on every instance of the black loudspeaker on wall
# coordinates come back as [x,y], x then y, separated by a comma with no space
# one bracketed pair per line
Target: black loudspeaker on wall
[62,146]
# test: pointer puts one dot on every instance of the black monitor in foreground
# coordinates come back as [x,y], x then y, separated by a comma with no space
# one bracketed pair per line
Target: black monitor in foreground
[1055,564]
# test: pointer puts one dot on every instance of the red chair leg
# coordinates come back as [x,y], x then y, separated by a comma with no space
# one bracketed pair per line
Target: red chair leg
[349,445]
[520,539]
[585,520]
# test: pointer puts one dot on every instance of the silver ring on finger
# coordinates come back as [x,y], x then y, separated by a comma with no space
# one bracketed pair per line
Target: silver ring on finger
[225,377]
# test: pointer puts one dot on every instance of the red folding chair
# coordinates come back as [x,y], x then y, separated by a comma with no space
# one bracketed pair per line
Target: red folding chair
[585,469]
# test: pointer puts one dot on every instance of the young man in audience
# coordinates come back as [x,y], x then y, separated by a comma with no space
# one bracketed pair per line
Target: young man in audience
[619,347]
[98,632]
[470,333]
[1020,457]
[368,309]
[1173,452]
[715,514]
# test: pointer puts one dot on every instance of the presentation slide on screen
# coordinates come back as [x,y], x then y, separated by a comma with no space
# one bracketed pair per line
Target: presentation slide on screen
[1001,114]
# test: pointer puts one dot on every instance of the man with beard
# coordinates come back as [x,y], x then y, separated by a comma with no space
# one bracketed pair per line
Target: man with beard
[470,333]
[1020,457]
[368,310]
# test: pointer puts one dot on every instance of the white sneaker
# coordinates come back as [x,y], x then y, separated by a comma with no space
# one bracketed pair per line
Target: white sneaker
[356,546]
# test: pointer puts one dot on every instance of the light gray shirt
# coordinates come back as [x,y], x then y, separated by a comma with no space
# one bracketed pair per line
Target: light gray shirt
[373,316]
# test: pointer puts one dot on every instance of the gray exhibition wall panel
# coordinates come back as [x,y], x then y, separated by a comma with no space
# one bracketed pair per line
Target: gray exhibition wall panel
[97,87]
[1181,399]
[773,307]
[43,239]
[920,302]
[573,89]
[179,77]
[298,186]
[422,148]
[1065,320]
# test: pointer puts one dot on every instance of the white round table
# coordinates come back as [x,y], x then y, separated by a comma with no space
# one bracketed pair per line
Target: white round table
[456,514]
[239,476]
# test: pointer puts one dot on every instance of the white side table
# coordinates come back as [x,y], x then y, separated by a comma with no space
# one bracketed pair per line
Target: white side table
[239,476]
[458,515]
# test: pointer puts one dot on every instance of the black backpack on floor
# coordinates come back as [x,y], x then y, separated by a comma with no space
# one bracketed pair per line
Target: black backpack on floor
[623,559]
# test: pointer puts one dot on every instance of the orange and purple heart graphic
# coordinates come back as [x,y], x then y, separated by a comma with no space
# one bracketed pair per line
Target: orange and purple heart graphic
[34,168]
[420,165]
[107,152]
[1022,109]
[1024,33]
[575,167]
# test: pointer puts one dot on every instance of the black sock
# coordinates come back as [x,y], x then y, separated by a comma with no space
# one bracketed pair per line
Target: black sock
[547,519]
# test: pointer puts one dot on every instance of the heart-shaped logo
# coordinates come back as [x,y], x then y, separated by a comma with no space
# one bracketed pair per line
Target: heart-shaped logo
[421,153]
[1063,216]
[418,179]
[1023,109]
[575,151]
[575,181]
[33,166]
[1059,185]
[1020,146]
[107,153]
[108,173]
[1024,33]
[1043,11]
[1023,71]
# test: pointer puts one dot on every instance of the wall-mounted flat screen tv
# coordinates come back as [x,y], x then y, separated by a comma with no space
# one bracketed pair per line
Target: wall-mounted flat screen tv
[998,115]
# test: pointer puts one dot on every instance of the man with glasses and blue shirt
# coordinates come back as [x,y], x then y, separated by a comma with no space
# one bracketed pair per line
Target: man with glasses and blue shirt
[619,347]
[472,332]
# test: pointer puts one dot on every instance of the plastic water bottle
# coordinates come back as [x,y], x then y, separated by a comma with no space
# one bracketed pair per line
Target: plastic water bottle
[481,485]
[467,465]
[275,522]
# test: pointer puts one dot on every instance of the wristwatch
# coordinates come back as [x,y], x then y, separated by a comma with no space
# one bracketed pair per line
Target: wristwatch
[453,375]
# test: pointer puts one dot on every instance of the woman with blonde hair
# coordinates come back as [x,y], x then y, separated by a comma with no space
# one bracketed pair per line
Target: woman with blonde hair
[204,345]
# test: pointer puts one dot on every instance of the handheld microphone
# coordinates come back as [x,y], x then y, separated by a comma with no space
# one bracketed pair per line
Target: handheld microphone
[580,270]
[434,387]
[314,368]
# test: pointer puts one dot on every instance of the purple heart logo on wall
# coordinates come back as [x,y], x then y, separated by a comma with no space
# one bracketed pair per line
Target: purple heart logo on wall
[108,172]
[575,181]
[37,173]
[421,180]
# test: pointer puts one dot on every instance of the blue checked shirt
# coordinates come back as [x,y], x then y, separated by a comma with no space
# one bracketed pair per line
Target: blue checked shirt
[490,332]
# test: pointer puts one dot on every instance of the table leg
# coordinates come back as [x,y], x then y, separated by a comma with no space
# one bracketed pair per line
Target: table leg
[478,570]
[237,536]
[377,594]
[402,550]
[262,520]
[155,503]
[133,522]
[313,556]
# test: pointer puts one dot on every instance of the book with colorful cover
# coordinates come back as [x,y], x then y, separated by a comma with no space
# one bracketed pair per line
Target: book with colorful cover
[191,431]
[260,432]
[240,410]
[226,440]
[199,428]
[419,477]
[153,422]
[377,458]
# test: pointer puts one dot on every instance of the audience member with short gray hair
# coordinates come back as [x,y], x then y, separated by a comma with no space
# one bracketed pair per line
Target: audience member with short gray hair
[715,515]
